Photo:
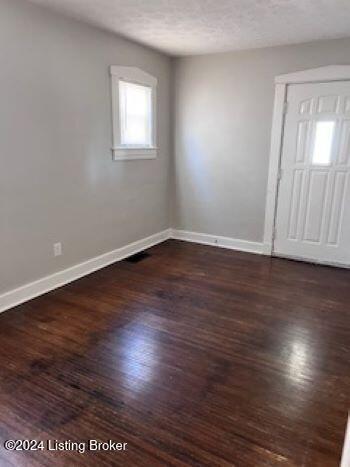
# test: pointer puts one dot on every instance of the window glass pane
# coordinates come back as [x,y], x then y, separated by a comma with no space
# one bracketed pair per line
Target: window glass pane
[323,143]
[135,114]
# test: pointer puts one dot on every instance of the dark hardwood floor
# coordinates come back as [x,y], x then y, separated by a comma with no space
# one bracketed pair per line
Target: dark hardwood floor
[193,356]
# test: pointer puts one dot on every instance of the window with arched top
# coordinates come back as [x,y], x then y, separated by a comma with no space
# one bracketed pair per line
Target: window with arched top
[134,102]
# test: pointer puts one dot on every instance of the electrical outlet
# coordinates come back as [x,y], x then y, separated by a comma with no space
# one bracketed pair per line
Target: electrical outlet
[57,249]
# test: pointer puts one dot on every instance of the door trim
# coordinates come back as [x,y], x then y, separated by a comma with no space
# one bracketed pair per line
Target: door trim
[313,75]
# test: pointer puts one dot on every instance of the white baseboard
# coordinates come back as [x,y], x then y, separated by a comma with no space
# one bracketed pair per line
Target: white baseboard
[34,289]
[222,242]
[41,286]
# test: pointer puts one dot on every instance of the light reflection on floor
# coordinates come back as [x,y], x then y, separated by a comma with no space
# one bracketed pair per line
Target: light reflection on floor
[140,356]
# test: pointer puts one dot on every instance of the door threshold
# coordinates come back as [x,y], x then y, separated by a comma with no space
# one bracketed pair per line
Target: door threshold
[314,261]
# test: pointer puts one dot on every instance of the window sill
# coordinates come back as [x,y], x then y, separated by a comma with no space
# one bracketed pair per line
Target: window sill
[125,153]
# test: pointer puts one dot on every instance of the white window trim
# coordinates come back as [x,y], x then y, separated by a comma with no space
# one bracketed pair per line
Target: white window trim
[135,75]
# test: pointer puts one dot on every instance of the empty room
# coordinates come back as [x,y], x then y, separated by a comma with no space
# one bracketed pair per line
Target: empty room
[175,233]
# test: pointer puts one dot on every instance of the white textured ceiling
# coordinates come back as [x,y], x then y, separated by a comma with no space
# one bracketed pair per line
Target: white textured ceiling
[184,27]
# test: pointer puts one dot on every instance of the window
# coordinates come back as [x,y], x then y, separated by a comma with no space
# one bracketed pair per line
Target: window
[134,114]
[323,143]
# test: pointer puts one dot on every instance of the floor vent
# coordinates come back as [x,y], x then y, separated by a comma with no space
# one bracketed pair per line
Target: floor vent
[138,257]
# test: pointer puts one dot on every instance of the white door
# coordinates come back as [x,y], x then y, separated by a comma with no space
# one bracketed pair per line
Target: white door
[313,210]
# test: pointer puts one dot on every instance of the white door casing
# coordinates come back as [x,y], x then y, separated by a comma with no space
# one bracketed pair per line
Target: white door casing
[326,74]
[312,218]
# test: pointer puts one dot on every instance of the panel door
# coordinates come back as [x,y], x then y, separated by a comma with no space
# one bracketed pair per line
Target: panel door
[313,210]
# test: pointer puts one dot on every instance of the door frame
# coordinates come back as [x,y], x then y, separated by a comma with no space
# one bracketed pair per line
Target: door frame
[313,75]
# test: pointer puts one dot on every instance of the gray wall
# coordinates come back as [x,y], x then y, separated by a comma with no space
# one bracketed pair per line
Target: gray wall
[57,178]
[223,121]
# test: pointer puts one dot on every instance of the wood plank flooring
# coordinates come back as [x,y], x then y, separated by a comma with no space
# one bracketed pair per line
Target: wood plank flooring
[193,356]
